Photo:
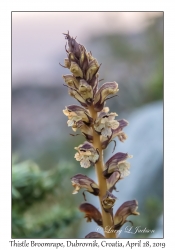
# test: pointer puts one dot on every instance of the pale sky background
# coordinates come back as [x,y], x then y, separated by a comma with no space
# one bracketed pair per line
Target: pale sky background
[37,38]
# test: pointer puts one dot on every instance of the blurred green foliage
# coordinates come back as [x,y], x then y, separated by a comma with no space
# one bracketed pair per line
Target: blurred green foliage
[149,215]
[42,205]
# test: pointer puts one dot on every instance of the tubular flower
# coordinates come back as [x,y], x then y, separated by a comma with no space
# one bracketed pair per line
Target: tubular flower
[112,180]
[115,132]
[109,88]
[91,213]
[117,163]
[108,201]
[105,123]
[94,235]
[126,209]
[85,130]
[76,113]
[86,154]
[82,181]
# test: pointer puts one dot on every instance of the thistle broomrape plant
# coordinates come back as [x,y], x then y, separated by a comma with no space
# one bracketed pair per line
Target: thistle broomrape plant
[99,127]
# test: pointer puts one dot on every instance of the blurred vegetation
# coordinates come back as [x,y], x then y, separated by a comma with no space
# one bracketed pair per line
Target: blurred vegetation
[135,61]
[149,215]
[42,204]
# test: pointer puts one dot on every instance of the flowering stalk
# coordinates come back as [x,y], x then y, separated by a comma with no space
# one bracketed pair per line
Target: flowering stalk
[99,128]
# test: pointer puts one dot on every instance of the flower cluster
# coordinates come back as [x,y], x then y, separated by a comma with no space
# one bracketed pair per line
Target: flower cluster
[99,127]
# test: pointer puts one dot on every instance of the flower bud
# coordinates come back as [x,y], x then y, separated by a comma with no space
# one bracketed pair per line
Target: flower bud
[73,45]
[126,209]
[89,56]
[93,67]
[86,91]
[117,163]
[71,81]
[85,130]
[86,154]
[108,201]
[78,97]
[83,58]
[72,58]
[94,235]
[105,90]
[94,83]
[91,213]
[76,70]
[82,181]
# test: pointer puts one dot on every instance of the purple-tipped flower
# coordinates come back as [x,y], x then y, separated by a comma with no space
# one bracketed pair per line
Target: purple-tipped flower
[118,132]
[82,181]
[109,88]
[117,163]
[106,123]
[91,213]
[126,209]
[73,46]
[94,235]
[87,155]
[76,113]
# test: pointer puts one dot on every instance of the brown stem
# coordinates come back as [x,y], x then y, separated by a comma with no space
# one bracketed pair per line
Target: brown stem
[99,166]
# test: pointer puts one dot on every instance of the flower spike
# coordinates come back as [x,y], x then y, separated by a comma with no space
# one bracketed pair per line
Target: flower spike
[99,127]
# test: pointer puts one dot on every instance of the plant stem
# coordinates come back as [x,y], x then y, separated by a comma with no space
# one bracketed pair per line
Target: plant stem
[99,166]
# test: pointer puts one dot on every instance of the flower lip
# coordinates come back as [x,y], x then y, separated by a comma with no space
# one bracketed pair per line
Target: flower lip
[91,213]
[87,155]
[115,132]
[105,123]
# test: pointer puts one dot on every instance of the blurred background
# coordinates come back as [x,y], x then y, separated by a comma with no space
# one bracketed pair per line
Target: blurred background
[130,47]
